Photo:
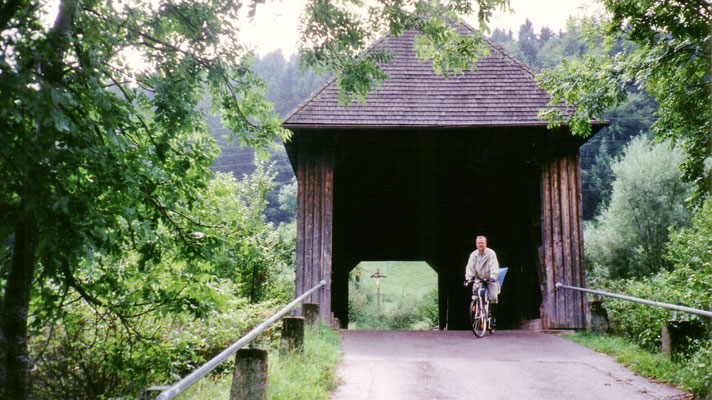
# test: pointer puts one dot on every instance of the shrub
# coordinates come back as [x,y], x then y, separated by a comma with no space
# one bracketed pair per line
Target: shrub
[689,283]
[428,310]
[91,354]
[629,236]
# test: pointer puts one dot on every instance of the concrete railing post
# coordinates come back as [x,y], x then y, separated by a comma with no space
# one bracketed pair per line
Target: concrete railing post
[666,341]
[249,381]
[292,334]
[311,313]
[597,318]
[676,336]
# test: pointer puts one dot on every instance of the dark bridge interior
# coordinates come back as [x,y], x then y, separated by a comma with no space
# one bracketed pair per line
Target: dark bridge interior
[425,195]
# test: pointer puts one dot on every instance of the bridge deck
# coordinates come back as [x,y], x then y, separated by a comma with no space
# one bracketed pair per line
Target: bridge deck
[506,365]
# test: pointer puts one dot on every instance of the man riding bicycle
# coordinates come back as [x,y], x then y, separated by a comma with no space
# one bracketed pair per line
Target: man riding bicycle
[483,265]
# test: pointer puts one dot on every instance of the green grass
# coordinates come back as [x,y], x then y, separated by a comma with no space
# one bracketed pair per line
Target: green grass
[408,296]
[306,375]
[311,375]
[404,278]
[692,374]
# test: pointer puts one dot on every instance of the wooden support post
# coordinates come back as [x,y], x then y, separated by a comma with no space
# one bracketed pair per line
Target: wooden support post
[249,381]
[292,334]
[311,314]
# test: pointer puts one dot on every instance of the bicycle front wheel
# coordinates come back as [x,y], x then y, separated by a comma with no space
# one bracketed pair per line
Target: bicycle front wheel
[478,318]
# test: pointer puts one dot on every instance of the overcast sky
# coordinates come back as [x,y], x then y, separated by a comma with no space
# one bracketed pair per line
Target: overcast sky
[276,24]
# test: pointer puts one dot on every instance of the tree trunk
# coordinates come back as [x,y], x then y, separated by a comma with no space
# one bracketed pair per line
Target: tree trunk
[14,308]
[14,311]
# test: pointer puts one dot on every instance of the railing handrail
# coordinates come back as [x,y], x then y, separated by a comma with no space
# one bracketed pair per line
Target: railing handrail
[193,377]
[691,310]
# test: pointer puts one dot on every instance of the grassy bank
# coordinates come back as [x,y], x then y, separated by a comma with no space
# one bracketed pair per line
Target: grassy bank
[407,298]
[691,374]
[309,375]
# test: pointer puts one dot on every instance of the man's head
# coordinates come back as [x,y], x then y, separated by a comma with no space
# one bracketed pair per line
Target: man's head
[481,243]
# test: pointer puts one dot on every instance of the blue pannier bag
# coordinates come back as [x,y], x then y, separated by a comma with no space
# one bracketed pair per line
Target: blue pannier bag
[502,274]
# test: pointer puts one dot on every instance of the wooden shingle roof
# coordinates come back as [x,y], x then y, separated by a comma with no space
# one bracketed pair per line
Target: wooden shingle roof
[501,91]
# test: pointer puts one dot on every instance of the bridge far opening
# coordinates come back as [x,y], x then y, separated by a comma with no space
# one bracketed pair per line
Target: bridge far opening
[393,295]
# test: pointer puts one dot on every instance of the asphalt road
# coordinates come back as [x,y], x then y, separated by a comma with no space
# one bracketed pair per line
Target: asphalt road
[392,365]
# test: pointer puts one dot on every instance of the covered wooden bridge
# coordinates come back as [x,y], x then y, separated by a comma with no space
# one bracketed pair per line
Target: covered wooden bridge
[426,165]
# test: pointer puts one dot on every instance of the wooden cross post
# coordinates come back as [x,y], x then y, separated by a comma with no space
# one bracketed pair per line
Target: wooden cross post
[378,277]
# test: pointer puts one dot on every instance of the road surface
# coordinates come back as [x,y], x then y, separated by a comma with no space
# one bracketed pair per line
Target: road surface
[392,365]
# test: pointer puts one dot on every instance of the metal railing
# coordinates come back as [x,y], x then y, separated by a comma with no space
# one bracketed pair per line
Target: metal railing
[703,313]
[183,384]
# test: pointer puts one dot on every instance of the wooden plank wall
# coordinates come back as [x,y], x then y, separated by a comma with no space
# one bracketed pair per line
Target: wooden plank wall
[315,177]
[561,255]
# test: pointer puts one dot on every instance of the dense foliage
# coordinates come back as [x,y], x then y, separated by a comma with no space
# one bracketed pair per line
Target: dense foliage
[82,350]
[628,237]
[242,246]
[99,155]
[688,283]
[88,354]
[665,54]
[544,49]
[647,244]
[289,82]
[630,119]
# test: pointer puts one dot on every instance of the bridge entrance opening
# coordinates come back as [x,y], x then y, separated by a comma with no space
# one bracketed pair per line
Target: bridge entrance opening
[418,196]
[393,295]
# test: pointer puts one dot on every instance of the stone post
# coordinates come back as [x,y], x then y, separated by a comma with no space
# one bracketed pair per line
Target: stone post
[597,317]
[666,340]
[249,381]
[311,314]
[676,335]
[292,334]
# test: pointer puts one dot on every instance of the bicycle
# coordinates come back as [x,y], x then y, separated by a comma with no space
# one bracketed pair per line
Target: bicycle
[480,318]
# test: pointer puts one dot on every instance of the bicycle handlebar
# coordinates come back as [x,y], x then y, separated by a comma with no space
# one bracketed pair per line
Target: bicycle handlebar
[467,282]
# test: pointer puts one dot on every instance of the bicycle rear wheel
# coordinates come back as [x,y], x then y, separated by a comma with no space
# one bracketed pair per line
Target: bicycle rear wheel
[478,319]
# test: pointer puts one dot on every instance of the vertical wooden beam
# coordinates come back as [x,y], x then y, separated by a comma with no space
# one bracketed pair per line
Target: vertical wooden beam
[327,236]
[565,277]
[309,220]
[581,272]
[575,306]
[299,261]
[315,273]
[557,269]
[547,259]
